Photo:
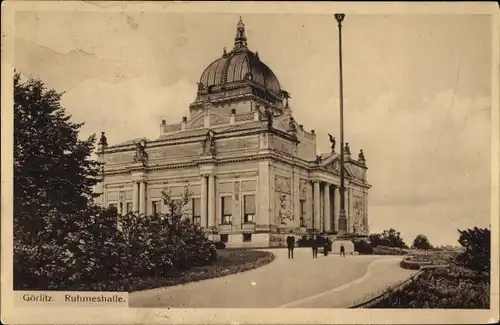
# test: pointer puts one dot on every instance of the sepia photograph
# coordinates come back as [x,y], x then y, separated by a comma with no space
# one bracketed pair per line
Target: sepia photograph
[169,158]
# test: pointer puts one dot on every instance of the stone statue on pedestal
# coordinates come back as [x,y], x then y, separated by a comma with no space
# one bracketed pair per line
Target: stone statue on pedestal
[209,143]
[269,117]
[332,141]
[141,155]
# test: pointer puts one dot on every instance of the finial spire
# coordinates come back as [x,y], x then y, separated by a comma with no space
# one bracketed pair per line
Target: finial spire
[240,41]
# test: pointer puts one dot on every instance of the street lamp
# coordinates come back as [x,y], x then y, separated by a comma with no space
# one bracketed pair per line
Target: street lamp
[342,217]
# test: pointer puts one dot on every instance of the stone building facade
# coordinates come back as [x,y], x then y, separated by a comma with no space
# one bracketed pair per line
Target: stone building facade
[252,171]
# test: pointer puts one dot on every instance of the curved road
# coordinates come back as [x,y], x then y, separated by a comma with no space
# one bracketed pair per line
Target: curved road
[326,282]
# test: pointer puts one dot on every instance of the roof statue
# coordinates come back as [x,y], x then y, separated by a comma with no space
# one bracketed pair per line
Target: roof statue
[103,141]
[291,125]
[332,141]
[361,156]
[347,149]
[209,143]
[141,156]
[269,116]
[318,160]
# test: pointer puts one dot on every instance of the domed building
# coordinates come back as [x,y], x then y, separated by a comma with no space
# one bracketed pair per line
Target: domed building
[252,171]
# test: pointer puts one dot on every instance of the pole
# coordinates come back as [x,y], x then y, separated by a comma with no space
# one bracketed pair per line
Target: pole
[342,216]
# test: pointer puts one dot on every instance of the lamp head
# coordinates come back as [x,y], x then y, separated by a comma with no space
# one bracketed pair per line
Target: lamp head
[339,18]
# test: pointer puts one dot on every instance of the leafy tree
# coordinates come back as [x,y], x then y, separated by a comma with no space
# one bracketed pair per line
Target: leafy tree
[391,238]
[421,242]
[52,169]
[477,245]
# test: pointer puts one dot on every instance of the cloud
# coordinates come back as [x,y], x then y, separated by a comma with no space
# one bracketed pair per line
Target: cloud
[131,109]
[64,71]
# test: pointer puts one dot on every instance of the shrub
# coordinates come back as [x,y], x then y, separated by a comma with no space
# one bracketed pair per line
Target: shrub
[476,243]
[421,242]
[304,242]
[363,247]
[220,245]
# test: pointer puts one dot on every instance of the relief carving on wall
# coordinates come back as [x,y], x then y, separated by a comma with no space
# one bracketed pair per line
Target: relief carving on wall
[198,122]
[303,189]
[285,213]
[209,143]
[359,222]
[282,185]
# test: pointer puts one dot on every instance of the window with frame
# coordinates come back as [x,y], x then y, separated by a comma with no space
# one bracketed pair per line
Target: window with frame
[248,208]
[224,238]
[247,237]
[156,207]
[196,202]
[303,212]
[226,210]
[128,207]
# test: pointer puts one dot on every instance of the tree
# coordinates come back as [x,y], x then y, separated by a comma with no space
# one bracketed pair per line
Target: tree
[52,169]
[391,238]
[477,245]
[421,242]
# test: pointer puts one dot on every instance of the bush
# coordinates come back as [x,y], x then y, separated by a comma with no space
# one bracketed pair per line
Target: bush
[304,242]
[363,247]
[477,243]
[220,245]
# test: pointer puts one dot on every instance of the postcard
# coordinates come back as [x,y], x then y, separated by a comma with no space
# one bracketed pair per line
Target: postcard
[250,162]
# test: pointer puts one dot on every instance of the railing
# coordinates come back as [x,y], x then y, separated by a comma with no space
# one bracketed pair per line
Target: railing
[244,117]
[172,128]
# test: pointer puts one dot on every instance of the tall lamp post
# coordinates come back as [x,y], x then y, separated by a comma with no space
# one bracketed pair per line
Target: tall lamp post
[342,216]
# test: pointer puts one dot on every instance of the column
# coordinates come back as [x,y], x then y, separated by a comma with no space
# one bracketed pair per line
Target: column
[203,201]
[142,197]
[336,208]
[317,207]
[310,206]
[365,211]
[347,200]
[211,201]
[135,197]
[326,207]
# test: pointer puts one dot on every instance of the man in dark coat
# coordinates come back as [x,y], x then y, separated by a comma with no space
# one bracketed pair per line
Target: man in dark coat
[342,250]
[314,246]
[290,242]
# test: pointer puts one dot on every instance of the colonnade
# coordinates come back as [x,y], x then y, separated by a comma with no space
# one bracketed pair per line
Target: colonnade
[325,207]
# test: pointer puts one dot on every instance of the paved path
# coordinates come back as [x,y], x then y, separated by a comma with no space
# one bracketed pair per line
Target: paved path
[326,282]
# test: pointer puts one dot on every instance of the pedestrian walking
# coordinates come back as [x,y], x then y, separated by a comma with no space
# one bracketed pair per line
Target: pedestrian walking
[290,242]
[342,250]
[326,245]
[314,246]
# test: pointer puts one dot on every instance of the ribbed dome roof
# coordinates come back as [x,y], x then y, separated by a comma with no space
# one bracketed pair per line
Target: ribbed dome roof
[238,65]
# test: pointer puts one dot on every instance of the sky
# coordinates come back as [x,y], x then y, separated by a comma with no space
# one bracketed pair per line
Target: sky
[417,92]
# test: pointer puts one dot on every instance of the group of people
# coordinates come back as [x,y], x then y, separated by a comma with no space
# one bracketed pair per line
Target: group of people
[315,242]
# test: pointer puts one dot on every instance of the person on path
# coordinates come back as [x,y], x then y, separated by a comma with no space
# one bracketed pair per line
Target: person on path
[314,246]
[342,250]
[290,242]
[326,245]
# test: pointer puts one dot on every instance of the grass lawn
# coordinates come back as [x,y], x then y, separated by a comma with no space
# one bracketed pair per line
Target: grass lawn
[229,261]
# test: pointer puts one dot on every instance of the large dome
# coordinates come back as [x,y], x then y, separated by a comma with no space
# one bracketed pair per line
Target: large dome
[240,64]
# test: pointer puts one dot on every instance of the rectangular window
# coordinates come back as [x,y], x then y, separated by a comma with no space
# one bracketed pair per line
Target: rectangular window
[303,212]
[249,208]
[226,210]
[247,237]
[156,207]
[129,207]
[224,238]
[196,211]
